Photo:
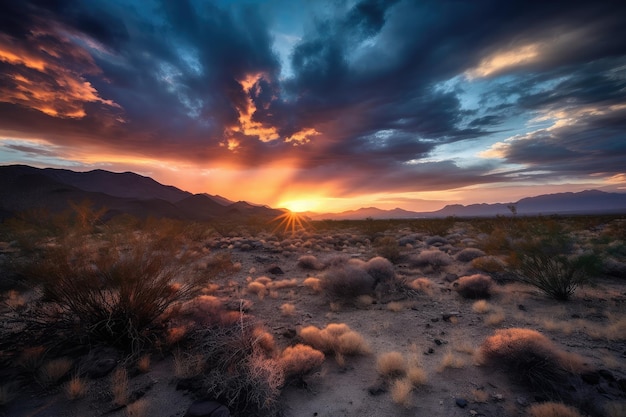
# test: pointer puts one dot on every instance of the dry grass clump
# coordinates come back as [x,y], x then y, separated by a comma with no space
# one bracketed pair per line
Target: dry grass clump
[474,286]
[337,338]
[137,409]
[315,284]
[187,364]
[490,264]
[347,282]
[283,283]
[391,364]
[54,370]
[417,376]
[481,307]
[552,409]
[287,309]
[495,318]
[119,386]
[264,340]
[300,359]
[530,356]
[432,257]
[480,395]
[469,254]
[143,363]
[450,360]
[75,388]
[401,392]
[257,288]
[310,262]
[422,285]
[137,283]
[395,306]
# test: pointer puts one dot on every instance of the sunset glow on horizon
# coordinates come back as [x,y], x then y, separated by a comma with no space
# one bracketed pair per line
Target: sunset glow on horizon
[322,106]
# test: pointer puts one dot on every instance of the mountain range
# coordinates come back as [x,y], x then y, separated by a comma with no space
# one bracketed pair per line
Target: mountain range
[584,202]
[25,188]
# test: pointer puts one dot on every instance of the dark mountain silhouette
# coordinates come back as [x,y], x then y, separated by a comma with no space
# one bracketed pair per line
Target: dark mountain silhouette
[24,188]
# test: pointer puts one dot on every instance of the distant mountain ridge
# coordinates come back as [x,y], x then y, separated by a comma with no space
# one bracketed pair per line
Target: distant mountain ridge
[584,202]
[24,188]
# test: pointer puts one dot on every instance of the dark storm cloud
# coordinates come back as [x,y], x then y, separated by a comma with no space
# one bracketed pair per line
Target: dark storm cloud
[168,80]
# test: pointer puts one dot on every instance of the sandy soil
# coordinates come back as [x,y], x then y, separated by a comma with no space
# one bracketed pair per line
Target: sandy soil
[417,329]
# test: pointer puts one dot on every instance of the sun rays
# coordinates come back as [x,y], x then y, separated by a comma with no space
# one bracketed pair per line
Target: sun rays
[291,222]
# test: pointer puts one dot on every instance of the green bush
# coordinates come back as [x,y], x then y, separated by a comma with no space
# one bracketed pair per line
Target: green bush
[545,260]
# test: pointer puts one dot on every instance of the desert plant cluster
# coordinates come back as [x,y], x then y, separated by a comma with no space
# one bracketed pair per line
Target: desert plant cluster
[516,316]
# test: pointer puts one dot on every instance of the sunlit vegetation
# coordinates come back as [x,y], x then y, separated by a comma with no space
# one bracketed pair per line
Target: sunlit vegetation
[235,308]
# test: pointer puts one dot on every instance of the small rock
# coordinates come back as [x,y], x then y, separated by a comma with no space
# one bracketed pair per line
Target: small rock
[438,342]
[522,401]
[461,402]
[207,409]
[497,397]
[430,351]
[275,270]
[521,307]
[473,412]
[448,316]
[289,333]
[575,316]
[377,389]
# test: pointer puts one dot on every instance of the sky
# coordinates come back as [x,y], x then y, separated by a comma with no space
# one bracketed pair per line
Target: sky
[322,105]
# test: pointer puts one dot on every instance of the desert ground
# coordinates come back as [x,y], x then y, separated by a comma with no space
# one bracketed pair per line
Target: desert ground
[361,318]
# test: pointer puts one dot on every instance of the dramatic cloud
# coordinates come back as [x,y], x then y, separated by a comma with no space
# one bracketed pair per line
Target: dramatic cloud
[332,98]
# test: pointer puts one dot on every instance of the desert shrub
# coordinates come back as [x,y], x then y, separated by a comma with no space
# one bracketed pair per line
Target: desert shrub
[387,247]
[310,262]
[52,371]
[474,286]
[75,388]
[257,288]
[558,276]
[110,293]
[422,285]
[469,254]
[491,264]
[315,284]
[544,258]
[481,307]
[287,309]
[335,338]
[436,240]
[434,258]
[119,386]
[530,356]
[391,364]
[401,392]
[417,376]
[380,269]
[235,368]
[551,409]
[347,282]
[300,359]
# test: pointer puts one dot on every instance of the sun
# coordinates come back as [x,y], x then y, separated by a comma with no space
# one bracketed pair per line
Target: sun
[300,205]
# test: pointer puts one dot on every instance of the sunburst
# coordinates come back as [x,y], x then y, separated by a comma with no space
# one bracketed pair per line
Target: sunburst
[291,222]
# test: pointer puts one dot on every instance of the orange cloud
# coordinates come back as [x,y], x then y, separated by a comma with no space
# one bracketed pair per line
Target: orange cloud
[247,126]
[504,60]
[48,76]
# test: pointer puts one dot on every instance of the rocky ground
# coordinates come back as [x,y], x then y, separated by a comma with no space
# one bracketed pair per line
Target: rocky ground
[433,327]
